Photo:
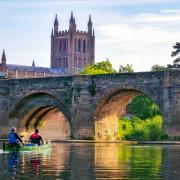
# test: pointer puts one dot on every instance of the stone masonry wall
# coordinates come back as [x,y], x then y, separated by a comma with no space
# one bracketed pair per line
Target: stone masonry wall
[82,98]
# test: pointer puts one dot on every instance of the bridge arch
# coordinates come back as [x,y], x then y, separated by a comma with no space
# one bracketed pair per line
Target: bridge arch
[111,106]
[36,109]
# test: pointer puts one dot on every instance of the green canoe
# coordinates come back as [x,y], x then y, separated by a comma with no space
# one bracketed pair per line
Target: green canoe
[26,147]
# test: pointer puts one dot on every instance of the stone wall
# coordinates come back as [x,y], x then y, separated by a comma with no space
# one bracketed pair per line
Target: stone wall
[91,104]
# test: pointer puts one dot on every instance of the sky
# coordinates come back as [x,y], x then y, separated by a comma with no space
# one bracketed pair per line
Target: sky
[137,32]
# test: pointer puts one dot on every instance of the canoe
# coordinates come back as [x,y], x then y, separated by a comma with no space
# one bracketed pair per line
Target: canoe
[26,147]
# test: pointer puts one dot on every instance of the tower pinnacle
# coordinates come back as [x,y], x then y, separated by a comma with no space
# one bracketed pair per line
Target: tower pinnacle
[33,63]
[90,25]
[3,56]
[56,25]
[72,23]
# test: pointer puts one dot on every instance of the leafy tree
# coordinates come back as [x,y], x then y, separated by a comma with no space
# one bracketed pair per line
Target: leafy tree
[158,67]
[103,67]
[143,107]
[124,69]
[177,49]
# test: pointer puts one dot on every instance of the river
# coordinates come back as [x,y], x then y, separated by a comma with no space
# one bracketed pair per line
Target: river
[89,161]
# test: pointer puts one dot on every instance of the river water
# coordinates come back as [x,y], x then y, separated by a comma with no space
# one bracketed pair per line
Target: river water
[89,161]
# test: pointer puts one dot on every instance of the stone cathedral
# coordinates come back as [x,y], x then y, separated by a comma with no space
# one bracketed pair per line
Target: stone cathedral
[71,51]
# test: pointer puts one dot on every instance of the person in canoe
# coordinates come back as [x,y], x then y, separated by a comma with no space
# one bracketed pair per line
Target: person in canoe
[35,138]
[14,138]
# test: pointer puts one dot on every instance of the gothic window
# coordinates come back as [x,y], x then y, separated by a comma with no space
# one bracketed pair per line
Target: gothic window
[84,62]
[75,45]
[88,46]
[64,45]
[79,45]
[64,59]
[84,46]
[75,62]
[66,63]
[60,46]
[80,63]
[59,62]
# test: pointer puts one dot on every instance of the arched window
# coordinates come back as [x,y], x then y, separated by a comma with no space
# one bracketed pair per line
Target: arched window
[60,46]
[75,62]
[84,46]
[79,45]
[60,62]
[66,62]
[84,62]
[75,45]
[80,63]
[88,46]
[64,45]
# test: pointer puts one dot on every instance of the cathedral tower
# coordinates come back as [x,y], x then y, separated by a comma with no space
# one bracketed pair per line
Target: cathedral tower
[72,50]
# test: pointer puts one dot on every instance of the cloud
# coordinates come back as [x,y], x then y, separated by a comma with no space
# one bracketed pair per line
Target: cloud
[144,40]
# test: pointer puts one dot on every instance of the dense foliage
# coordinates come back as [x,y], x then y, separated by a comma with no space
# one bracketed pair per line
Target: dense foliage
[126,69]
[143,107]
[144,121]
[157,67]
[136,129]
[103,67]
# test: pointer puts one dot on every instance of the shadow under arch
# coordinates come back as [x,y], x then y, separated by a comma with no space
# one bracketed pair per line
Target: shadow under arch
[108,110]
[31,111]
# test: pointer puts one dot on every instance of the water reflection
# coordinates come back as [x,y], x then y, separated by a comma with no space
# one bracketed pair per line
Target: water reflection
[82,161]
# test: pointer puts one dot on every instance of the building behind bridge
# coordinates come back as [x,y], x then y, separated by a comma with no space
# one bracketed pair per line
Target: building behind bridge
[71,51]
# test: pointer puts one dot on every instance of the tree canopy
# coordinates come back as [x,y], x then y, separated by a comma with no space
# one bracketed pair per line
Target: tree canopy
[103,67]
[158,67]
[143,107]
[177,49]
[126,69]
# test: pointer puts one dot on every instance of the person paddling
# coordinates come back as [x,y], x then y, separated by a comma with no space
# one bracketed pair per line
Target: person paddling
[14,138]
[35,138]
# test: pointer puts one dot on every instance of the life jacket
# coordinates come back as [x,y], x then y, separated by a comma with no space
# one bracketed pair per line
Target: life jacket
[12,138]
[35,138]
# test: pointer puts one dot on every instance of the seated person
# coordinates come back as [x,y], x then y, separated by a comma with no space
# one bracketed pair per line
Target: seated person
[14,138]
[35,138]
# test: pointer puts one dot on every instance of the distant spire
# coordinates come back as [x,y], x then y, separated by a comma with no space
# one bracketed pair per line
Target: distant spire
[71,18]
[72,23]
[89,22]
[3,56]
[90,26]
[56,23]
[33,63]
[52,32]
[93,33]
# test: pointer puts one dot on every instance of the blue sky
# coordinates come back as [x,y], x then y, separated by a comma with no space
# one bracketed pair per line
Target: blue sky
[138,32]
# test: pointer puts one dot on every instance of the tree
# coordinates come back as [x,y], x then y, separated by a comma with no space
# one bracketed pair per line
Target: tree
[103,67]
[126,69]
[177,49]
[143,107]
[158,67]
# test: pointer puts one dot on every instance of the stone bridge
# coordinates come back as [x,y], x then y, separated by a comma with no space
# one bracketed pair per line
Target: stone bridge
[90,105]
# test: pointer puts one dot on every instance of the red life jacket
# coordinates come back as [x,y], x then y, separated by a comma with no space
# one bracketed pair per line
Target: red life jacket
[35,136]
